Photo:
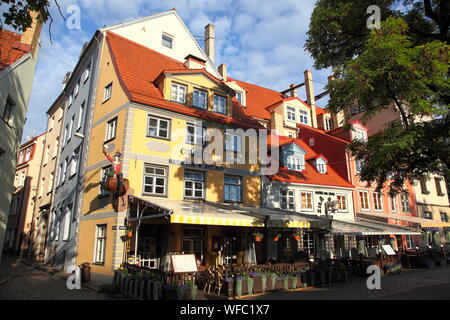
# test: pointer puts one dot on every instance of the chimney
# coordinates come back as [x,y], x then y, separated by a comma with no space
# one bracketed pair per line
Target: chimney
[223,72]
[193,62]
[293,92]
[31,35]
[209,41]
[310,97]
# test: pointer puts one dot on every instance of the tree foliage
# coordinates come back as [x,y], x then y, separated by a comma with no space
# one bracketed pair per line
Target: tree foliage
[18,12]
[402,66]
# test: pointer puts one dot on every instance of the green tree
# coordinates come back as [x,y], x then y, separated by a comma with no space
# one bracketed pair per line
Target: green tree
[17,14]
[402,66]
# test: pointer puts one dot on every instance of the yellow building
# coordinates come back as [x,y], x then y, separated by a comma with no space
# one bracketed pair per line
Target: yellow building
[157,111]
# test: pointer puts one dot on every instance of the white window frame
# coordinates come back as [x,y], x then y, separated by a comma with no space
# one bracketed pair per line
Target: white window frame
[198,135]
[57,225]
[402,199]
[111,129]
[328,124]
[291,113]
[393,201]
[177,94]
[322,168]
[295,163]
[303,116]
[166,39]
[197,98]
[74,163]
[87,71]
[76,89]
[377,200]
[239,96]
[339,202]
[72,121]
[220,104]
[158,127]
[287,200]
[361,199]
[67,222]
[100,243]
[107,92]
[238,185]
[155,176]
[304,192]
[80,115]
[103,172]
[194,183]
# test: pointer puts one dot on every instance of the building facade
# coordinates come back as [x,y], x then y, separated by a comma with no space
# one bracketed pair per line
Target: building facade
[18,58]
[18,232]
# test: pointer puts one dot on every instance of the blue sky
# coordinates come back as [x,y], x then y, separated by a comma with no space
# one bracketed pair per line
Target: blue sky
[261,41]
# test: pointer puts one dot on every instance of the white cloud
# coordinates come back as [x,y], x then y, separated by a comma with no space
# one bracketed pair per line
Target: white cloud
[261,41]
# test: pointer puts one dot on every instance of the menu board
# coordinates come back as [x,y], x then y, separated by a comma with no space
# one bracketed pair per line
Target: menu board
[388,249]
[183,263]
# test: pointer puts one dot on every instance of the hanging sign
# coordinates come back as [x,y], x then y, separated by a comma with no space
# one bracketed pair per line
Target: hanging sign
[388,249]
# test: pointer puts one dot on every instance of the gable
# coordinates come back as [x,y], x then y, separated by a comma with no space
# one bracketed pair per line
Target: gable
[148,32]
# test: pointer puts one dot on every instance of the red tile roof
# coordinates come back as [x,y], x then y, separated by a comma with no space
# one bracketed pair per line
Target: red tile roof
[310,175]
[138,68]
[11,49]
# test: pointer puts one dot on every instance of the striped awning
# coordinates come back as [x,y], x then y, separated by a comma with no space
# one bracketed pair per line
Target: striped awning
[297,224]
[235,220]
[424,223]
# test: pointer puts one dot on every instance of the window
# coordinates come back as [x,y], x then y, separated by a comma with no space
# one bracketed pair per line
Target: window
[200,99]
[405,202]
[87,72]
[233,188]
[50,182]
[437,181]
[194,184]
[58,177]
[287,199]
[322,168]
[100,244]
[158,127]
[69,102]
[64,170]
[67,219]
[359,135]
[312,142]
[359,164]
[295,163]
[57,225]
[46,155]
[393,204]
[444,216]
[108,92]
[73,163]
[328,124]
[364,196]
[103,172]
[423,185]
[80,116]
[303,117]
[41,188]
[291,113]
[233,142]
[76,90]
[377,201]
[428,215]
[220,104]
[167,41]
[22,179]
[307,203]
[8,112]
[111,128]
[409,242]
[70,131]
[28,154]
[55,149]
[192,242]
[178,93]
[239,97]
[194,134]
[155,180]
[342,202]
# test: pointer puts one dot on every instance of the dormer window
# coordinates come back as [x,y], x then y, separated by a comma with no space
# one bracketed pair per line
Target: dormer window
[295,163]
[359,135]
[239,97]
[200,98]
[178,93]
[322,168]
[291,113]
[312,142]
[167,41]
[220,104]
[328,124]
[303,117]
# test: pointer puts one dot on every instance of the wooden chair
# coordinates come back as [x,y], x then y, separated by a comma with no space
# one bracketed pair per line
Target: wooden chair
[218,280]
[209,279]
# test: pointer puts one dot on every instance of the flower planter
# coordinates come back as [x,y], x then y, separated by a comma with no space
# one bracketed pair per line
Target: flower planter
[250,282]
[263,282]
[229,287]
[258,239]
[238,287]
[190,293]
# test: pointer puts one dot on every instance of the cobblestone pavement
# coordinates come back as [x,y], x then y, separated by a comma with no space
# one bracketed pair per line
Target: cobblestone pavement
[418,284]
[29,283]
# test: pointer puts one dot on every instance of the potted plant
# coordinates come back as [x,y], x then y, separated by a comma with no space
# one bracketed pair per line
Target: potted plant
[297,236]
[263,278]
[276,237]
[293,278]
[129,233]
[258,236]
[238,286]
[285,279]
[230,286]
[273,280]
